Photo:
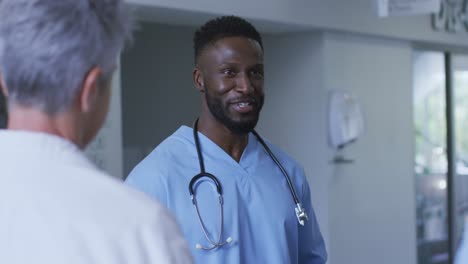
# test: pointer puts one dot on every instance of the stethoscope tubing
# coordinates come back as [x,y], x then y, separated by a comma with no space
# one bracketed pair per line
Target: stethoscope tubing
[280,166]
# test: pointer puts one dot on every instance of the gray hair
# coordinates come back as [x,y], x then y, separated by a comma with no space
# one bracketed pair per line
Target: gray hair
[48,46]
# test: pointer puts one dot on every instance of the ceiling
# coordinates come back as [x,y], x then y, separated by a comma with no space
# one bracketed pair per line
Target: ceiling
[195,19]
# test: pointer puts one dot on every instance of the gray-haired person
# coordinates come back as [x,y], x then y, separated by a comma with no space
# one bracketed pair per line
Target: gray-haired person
[57,58]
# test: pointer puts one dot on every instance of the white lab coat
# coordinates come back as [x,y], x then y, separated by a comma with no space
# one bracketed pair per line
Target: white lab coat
[57,208]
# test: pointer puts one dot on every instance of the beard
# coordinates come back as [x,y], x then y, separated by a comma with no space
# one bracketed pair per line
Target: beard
[221,113]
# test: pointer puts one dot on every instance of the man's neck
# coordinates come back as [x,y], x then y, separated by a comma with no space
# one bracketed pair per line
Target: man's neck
[232,143]
[29,119]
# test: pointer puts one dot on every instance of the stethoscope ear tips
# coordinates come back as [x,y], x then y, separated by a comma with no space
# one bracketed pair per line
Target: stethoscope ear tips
[229,240]
[198,246]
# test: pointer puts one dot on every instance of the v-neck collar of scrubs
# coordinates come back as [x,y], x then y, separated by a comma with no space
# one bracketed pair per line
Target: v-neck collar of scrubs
[211,150]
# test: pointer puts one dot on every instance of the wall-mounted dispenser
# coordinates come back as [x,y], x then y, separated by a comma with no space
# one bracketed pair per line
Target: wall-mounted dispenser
[345,121]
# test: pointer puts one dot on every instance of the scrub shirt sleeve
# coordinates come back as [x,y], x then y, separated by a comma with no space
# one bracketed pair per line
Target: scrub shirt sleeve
[311,244]
[462,253]
[148,179]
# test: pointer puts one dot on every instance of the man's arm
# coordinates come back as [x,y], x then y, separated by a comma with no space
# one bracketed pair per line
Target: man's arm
[462,253]
[311,244]
[146,177]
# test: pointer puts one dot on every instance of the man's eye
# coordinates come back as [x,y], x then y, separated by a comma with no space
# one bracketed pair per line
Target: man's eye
[257,74]
[229,72]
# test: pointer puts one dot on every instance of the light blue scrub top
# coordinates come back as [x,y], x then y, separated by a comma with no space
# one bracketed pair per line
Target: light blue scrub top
[462,252]
[258,207]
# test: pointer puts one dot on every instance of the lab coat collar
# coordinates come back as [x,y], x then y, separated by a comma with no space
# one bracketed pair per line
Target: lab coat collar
[42,146]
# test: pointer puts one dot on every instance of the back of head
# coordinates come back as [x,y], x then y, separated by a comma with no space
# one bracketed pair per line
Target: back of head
[48,46]
[223,27]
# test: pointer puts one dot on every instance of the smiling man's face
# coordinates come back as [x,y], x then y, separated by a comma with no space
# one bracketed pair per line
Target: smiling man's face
[232,70]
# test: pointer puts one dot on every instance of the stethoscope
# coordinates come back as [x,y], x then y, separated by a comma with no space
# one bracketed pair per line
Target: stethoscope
[300,212]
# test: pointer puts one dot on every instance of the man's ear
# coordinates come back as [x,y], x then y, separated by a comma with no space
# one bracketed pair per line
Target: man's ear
[89,92]
[197,76]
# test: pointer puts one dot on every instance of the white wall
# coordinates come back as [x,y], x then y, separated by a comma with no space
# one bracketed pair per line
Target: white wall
[357,16]
[157,91]
[106,150]
[372,202]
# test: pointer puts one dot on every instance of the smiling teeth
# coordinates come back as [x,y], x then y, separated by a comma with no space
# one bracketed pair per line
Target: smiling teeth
[243,104]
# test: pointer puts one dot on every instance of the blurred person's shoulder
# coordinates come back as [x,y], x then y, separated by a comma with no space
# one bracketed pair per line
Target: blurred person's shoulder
[144,225]
[61,197]
[113,201]
[139,228]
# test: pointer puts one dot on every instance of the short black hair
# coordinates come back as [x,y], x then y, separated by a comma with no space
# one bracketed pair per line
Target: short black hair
[222,27]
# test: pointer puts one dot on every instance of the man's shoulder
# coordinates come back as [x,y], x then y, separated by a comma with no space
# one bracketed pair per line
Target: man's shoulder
[143,212]
[129,218]
[174,145]
[120,200]
[152,173]
[148,222]
[285,158]
[79,197]
[171,150]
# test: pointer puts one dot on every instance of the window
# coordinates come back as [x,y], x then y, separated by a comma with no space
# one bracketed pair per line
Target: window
[430,159]
[460,126]
[440,107]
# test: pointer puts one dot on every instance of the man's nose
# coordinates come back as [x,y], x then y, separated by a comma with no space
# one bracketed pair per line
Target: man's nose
[244,84]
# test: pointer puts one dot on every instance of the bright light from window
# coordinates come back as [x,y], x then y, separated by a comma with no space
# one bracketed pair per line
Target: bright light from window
[442,184]
[439,151]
